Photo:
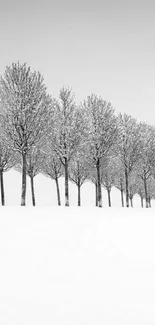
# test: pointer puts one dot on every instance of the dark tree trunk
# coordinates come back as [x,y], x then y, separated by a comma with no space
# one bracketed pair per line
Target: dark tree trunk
[127,187]
[149,202]
[141,201]
[99,184]
[2,188]
[58,191]
[32,190]
[79,193]
[23,195]
[122,197]
[96,194]
[66,183]
[109,197]
[131,201]
[146,195]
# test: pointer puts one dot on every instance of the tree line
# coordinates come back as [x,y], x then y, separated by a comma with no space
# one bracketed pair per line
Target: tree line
[86,142]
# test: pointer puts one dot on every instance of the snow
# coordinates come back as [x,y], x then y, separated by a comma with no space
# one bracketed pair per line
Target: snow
[71,266]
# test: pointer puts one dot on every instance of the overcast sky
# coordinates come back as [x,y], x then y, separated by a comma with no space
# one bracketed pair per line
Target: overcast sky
[102,47]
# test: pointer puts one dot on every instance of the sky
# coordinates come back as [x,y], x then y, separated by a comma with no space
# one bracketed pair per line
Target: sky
[101,47]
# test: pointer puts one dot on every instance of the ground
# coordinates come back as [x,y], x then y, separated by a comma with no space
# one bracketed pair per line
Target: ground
[71,266]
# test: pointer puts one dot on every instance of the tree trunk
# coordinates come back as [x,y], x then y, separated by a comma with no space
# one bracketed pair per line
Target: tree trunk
[141,201]
[32,191]
[96,194]
[58,191]
[127,187]
[66,184]
[109,198]
[79,194]
[2,188]
[149,202]
[122,197]
[131,201]
[23,195]
[99,184]
[146,195]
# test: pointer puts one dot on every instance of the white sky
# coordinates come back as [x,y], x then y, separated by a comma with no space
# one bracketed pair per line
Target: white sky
[104,47]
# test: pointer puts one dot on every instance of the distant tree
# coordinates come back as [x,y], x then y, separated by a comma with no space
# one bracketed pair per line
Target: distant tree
[102,134]
[66,134]
[78,172]
[52,167]
[7,161]
[129,146]
[25,111]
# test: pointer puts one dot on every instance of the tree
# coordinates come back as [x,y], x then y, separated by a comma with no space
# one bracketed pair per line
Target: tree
[102,134]
[7,161]
[67,132]
[25,111]
[146,162]
[52,167]
[78,172]
[129,146]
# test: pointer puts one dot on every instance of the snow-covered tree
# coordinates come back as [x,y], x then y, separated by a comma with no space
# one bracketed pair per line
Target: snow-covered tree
[52,167]
[25,111]
[102,134]
[129,146]
[66,134]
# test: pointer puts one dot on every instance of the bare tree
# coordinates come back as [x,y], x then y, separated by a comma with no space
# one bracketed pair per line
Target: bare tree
[24,111]
[67,131]
[144,166]
[102,134]
[129,146]
[52,167]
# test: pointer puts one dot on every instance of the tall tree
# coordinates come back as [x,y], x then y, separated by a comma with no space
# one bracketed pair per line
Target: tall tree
[24,111]
[102,133]
[66,134]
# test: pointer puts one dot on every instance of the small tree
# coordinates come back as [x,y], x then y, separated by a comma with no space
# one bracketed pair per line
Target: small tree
[25,111]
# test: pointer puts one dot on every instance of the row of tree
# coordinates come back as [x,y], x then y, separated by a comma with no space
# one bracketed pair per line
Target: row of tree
[55,137]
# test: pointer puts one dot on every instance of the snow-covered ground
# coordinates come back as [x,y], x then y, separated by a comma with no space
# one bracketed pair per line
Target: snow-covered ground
[71,266]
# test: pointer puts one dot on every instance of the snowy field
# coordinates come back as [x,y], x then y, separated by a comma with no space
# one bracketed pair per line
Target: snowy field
[71,266]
